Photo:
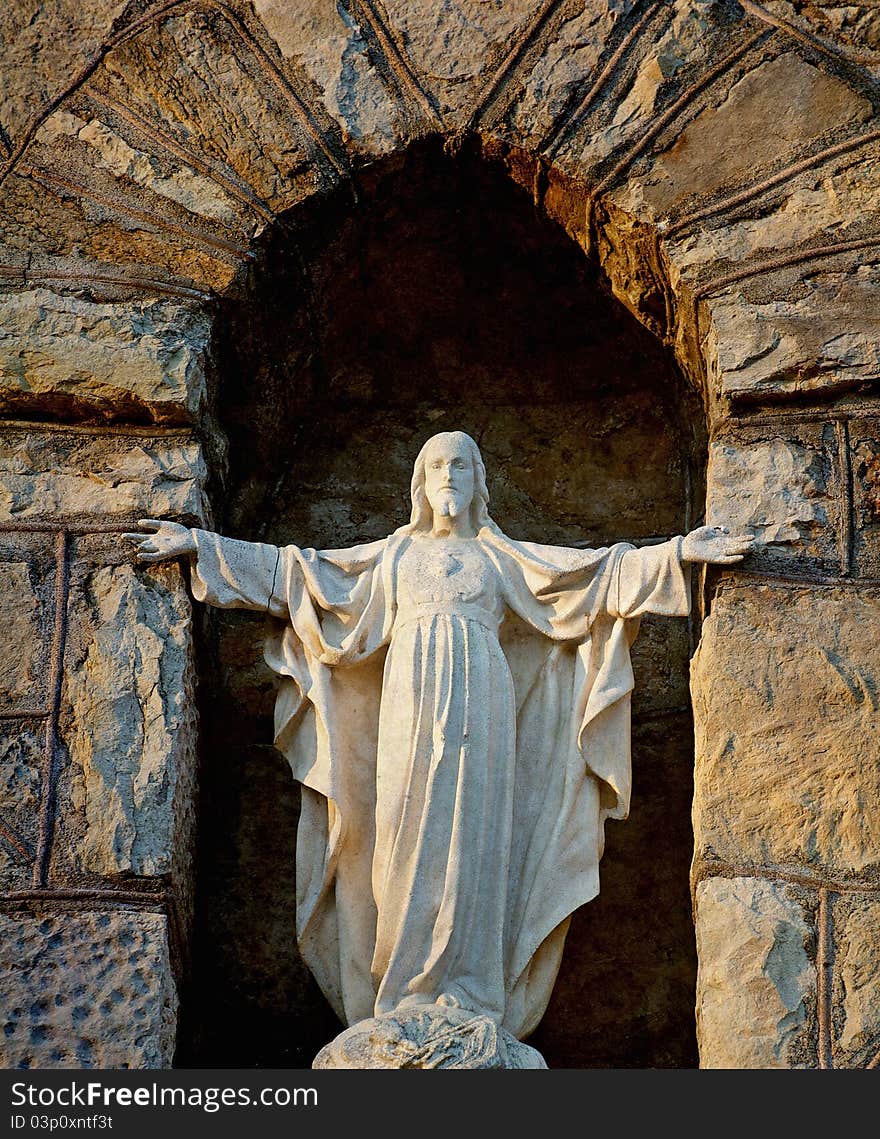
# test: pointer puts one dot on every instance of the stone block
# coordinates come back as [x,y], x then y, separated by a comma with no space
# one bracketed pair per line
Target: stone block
[333,49]
[455,47]
[128,719]
[86,990]
[562,73]
[750,128]
[69,356]
[850,30]
[43,48]
[855,993]
[98,149]
[822,340]
[782,484]
[22,746]
[246,118]
[831,206]
[685,43]
[27,578]
[756,982]
[785,687]
[98,229]
[70,474]
[864,442]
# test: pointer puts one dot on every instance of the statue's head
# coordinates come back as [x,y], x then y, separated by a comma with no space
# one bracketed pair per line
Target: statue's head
[449,478]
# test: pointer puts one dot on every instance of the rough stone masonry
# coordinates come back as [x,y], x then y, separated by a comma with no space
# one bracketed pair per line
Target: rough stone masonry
[164,171]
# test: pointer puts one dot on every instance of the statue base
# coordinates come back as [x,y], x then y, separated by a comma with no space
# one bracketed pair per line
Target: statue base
[427,1036]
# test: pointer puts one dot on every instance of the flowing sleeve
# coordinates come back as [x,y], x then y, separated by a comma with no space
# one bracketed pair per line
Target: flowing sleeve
[231,574]
[652,579]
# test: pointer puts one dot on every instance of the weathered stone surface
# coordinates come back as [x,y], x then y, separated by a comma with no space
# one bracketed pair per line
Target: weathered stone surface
[55,474]
[855,996]
[697,29]
[86,990]
[128,721]
[850,29]
[44,46]
[776,109]
[21,649]
[21,766]
[780,485]
[864,442]
[822,339]
[64,354]
[785,688]
[198,76]
[453,47]
[102,150]
[54,219]
[756,982]
[564,69]
[330,45]
[824,208]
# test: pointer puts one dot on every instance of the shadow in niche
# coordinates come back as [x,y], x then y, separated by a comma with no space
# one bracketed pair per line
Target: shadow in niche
[441,300]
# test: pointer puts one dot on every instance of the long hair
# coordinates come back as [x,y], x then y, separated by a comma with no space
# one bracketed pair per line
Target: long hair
[422,516]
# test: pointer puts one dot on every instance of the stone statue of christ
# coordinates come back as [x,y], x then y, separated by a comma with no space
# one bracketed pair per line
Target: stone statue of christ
[455,704]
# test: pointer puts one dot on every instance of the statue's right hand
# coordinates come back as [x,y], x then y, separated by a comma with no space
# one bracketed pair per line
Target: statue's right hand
[158,541]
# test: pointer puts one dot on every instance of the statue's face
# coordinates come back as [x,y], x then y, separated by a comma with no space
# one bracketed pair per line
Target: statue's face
[449,476]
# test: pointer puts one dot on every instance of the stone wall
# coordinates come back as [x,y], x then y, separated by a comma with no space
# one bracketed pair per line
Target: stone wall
[717,163]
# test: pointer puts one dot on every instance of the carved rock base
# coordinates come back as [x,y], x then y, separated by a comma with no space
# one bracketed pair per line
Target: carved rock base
[428,1036]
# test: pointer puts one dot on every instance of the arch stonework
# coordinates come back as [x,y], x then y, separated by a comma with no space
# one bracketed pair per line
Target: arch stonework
[717,160]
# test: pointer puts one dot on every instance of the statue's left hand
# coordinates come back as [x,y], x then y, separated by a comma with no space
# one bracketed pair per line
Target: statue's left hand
[158,541]
[715,544]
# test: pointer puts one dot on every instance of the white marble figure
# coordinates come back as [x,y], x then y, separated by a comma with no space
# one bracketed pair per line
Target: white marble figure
[455,705]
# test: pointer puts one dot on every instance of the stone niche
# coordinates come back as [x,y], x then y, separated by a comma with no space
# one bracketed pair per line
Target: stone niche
[441,299]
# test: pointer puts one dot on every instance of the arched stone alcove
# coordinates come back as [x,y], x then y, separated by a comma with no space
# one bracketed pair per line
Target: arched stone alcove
[442,299]
[717,161]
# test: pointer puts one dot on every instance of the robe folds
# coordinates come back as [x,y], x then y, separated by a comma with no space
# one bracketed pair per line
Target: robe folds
[459,718]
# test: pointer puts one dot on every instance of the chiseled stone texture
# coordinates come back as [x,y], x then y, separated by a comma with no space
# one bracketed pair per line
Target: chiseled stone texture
[43,47]
[329,44]
[21,647]
[27,582]
[199,80]
[569,60]
[780,484]
[823,209]
[756,981]
[454,47]
[822,340]
[851,28]
[694,35]
[21,778]
[142,360]
[86,990]
[780,106]
[864,441]
[128,720]
[785,689]
[855,995]
[50,474]
[100,149]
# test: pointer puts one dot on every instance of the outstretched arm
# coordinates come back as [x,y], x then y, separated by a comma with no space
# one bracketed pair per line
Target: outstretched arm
[655,579]
[226,573]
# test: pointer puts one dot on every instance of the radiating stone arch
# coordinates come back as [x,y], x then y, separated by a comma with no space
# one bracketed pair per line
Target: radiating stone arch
[142,159]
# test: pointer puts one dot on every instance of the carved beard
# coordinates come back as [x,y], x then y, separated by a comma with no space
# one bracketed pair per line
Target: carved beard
[448,504]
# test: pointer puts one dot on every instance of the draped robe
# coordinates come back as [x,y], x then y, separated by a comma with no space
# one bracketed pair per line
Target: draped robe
[456,880]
